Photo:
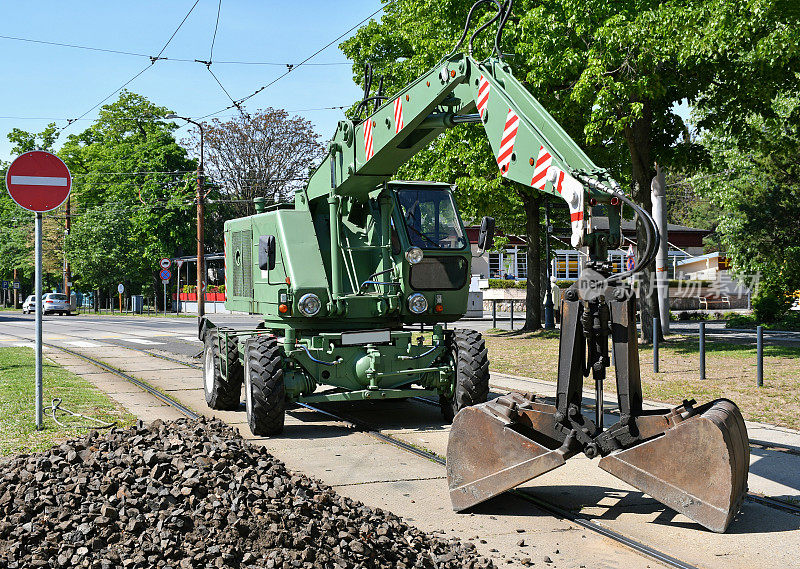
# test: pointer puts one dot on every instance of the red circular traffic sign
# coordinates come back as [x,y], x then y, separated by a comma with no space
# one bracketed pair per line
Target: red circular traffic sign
[38,181]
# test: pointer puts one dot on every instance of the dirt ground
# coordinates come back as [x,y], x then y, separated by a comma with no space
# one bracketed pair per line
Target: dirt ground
[730,372]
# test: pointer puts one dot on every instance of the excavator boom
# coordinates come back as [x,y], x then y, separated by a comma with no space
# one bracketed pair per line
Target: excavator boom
[692,459]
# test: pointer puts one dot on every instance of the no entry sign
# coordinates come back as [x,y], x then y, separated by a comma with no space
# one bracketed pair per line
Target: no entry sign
[38,181]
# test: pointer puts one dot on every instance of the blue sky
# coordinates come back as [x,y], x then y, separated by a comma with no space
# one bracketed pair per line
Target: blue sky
[46,83]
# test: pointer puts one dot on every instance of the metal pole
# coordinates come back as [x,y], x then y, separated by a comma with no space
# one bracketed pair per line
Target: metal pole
[702,350]
[549,320]
[512,314]
[760,355]
[655,344]
[38,251]
[178,293]
[200,231]
[165,299]
[494,314]
[659,198]
[67,271]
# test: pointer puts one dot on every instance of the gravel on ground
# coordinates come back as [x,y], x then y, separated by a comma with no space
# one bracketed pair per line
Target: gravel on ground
[193,494]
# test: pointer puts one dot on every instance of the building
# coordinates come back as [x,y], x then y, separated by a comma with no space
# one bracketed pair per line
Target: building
[684,243]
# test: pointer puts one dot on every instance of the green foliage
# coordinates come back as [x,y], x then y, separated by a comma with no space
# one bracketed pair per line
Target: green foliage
[127,220]
[788,321]
[755,180]
[769,305]
[503,283]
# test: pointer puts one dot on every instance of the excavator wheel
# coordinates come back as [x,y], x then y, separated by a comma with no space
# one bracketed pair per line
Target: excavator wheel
[471,362]
[265,391]
[222,393]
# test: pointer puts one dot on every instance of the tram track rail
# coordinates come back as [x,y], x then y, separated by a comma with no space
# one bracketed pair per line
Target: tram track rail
[375,432]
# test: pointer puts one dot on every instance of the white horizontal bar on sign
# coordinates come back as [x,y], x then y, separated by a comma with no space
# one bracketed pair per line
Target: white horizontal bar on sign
[38,181]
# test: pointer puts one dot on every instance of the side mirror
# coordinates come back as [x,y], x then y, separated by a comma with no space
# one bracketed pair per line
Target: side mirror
[266,252]
[486,236]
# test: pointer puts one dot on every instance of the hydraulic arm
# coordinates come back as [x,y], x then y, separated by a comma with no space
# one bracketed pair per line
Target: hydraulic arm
[693,459]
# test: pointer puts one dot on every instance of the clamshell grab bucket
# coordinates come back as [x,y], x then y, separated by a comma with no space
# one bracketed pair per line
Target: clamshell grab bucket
[698,467]
[694,460]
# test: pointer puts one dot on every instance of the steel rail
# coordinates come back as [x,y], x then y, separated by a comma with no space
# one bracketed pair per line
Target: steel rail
[375,432]
[137,382]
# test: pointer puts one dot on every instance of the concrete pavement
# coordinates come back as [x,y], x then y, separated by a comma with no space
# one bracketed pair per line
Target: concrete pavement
[361,467]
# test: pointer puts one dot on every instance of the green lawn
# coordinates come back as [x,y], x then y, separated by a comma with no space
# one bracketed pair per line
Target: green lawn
[17,408]
[730,372]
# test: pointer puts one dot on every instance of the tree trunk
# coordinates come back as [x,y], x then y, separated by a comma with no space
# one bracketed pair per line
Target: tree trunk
[532,202]
[638,138]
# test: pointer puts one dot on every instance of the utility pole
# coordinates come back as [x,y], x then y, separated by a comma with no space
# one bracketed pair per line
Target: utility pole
[659,200]
[67,273]
[16,291]
[200,219]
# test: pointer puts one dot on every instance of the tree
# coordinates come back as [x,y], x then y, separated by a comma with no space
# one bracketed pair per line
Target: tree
[263,154]
[611,72]
[755,182]
[16,223]
[133,195]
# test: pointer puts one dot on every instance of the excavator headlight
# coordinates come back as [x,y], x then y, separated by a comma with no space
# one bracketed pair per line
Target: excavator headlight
[417,303]
[414,255]
[309,304]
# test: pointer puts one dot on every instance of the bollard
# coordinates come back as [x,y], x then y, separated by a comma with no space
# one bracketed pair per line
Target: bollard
[494,314]
[702,350]
[760,356]
[512,315]
[655,344]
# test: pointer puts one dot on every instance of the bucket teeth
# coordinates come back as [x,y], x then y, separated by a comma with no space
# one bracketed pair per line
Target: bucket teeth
[698,467]
[486,455]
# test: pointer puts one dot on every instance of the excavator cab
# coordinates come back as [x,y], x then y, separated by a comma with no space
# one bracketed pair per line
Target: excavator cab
[693,459]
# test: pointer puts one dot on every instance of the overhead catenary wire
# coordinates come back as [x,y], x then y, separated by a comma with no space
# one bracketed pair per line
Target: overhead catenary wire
[161,58]
[303,62]
[129,81]
[333,108]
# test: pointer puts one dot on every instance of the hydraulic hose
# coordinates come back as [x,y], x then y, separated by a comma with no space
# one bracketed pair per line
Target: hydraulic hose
[652,237]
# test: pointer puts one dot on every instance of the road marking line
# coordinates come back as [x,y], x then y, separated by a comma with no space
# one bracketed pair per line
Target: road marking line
[86,344]
[140,341]
[189,338]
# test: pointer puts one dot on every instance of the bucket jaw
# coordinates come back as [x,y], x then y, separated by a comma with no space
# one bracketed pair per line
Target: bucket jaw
[693,459]
[489,455]
[698,467]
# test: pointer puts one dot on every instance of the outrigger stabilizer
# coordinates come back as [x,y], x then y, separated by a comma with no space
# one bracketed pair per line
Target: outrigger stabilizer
[693,459]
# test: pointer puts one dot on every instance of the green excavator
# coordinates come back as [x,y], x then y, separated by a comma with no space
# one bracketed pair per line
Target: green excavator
[347,275]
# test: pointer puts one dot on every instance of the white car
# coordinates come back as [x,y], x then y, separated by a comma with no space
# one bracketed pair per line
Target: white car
[56,302]
[29,305]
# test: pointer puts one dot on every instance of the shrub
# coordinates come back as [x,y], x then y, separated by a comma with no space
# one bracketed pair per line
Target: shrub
[769,305]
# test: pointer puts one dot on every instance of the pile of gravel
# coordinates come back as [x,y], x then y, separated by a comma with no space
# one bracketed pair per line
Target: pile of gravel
[190,494]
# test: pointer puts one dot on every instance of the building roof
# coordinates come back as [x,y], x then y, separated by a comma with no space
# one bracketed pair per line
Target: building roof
[601,222]
[474,230]
[629,226]
[713,255]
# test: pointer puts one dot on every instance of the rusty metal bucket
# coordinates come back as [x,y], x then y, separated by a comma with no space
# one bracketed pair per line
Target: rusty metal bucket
[698,467]
[490,455]
[694,460]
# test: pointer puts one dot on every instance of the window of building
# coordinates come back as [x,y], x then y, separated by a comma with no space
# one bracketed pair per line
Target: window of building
[511,262]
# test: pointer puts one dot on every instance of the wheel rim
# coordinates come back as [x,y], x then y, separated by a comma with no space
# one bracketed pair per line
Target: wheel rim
[208,370]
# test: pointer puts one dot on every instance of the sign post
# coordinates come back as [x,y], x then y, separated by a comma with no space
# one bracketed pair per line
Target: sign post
[38,181]
[120,290]
[165,276]
[179,264]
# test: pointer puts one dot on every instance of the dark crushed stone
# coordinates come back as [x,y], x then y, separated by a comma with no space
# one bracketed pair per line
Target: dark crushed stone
[194,494]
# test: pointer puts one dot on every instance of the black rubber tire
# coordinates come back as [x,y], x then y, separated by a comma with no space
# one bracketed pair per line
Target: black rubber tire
[221,393]
[471,358]
[264,389]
